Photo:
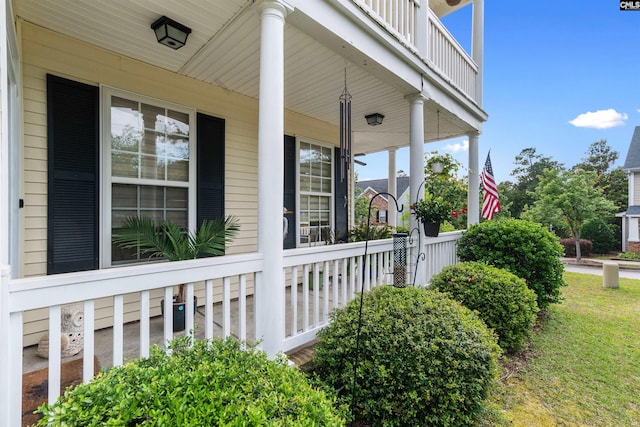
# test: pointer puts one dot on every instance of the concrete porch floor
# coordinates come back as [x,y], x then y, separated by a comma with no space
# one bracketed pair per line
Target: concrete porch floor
[103,338]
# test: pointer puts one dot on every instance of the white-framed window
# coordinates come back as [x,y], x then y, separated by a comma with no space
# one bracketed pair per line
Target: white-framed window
[148,165]
[315,191]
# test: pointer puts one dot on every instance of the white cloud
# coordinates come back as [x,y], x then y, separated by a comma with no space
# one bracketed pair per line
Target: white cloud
[601,119]
[454,148]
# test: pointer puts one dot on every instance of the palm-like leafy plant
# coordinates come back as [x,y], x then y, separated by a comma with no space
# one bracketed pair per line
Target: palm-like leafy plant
[168,240]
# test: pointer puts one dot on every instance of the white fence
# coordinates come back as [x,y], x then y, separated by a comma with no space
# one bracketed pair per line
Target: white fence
[317,279]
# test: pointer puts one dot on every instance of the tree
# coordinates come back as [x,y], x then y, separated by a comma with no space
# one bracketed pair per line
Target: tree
[613,182]
[614,186]
[529,168]
[571,197]
[447,185]
[600,158]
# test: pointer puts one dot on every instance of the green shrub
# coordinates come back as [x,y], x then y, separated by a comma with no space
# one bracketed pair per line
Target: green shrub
[524,248]
[569,247]
[502,299]
[210,384]
[629,255]
[600,234]
[425,360]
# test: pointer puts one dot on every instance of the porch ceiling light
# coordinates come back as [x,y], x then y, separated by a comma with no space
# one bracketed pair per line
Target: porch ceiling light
[170,33]
[374,119]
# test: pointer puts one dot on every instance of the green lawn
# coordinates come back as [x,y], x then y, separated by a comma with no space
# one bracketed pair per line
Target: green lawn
[583,365]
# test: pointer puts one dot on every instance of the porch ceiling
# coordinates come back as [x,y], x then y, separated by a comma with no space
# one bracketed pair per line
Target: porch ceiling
[223,49]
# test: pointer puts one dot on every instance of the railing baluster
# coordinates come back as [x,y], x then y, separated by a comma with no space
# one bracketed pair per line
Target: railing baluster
[208,309]
[316,294]
[242,307]
[305,297]
[168,314]
[325,292]
[294,300]
[189,306]
[226,307]
[118,333]
[144,324]
[54,352]
[89,347]
[335,283]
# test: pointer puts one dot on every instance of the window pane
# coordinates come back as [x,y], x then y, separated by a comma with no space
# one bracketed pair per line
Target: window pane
[124,164]
[153,168]
[153,117]
[126,130]
[177,198]
[179,217]
[316,185]
[151,197]
[177,170]
[174,148]
[150,141]
[177,123]
[124,196]
[326,185]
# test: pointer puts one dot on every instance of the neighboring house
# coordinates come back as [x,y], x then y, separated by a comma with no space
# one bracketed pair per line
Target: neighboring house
[370,188]
[630,218]
[99,121]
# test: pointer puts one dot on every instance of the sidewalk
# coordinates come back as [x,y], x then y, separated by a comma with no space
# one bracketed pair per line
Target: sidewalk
[624,264]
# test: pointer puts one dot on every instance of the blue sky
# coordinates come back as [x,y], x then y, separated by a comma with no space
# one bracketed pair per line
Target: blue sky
[557,76]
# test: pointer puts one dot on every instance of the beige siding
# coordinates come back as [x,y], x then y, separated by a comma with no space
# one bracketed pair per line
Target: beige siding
[47,52]
[636,189]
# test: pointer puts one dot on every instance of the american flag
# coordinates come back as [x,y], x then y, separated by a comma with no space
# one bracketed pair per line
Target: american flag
[490,200]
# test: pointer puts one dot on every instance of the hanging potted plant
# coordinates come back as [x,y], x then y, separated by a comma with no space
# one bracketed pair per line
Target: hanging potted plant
[170,241]
[431,212]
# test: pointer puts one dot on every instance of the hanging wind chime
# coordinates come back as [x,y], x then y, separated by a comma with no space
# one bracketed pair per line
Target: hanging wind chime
[345,130]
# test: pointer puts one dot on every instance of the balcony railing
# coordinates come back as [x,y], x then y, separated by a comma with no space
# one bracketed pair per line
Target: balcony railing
[317,279]
[442,51]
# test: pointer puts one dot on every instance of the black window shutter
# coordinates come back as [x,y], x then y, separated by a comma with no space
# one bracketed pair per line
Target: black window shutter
[290,189]
[210,168]
[73,144]
[341,208]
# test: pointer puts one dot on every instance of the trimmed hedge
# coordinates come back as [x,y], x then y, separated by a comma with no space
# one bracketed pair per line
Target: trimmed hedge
[569,247]
[210,384]
[424,359]
[524,248]
[503,300]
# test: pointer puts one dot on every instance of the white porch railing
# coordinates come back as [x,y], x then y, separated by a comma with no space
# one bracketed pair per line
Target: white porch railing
[443,53]
[450,59]
[318,279]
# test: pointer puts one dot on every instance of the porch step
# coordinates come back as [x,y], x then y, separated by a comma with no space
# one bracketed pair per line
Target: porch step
[302,355]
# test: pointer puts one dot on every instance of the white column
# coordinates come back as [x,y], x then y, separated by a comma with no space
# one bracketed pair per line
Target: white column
[392,213]
[9,413]
[416,170]
[477,44]
[473,197]
[422,29]
[270,296]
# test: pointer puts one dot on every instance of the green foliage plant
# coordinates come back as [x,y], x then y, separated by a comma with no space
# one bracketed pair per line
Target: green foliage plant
[524,248]
[629,255]
[425,360]
[600,234]
[503,300]
[209,383]
[168,240]
[375,232]
[431,209]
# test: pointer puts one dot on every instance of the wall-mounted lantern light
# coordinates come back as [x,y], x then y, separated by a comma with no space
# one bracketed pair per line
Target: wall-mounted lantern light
[374,119]
[170,33]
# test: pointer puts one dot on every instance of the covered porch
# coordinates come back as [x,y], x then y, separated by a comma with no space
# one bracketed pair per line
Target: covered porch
[251,75]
